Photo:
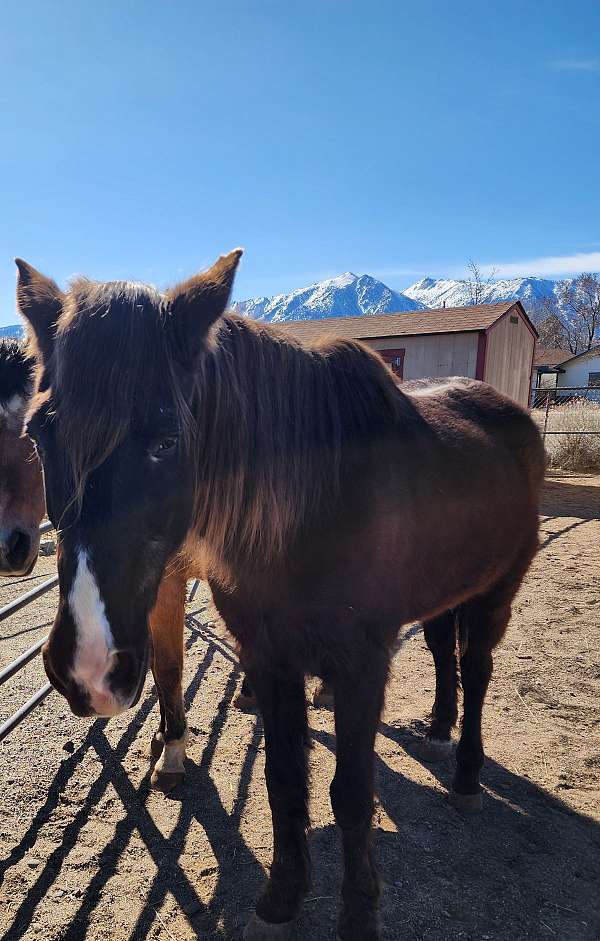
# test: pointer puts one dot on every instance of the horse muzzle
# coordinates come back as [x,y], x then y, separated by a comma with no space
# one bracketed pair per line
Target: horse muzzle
[18,551]
[119,690]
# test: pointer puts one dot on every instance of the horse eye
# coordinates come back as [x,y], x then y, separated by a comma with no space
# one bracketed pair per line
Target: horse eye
[163,447]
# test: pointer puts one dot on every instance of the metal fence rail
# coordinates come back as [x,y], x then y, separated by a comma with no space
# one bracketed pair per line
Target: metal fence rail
[13,606]
[554,400]
[563,395]
[23,659]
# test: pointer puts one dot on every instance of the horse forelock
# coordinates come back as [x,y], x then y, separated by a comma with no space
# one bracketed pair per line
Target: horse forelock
[108,358]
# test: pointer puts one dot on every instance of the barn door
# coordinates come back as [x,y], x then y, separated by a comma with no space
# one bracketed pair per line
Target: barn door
[395,360]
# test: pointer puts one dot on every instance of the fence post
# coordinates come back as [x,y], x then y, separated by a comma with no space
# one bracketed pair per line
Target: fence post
[546,417]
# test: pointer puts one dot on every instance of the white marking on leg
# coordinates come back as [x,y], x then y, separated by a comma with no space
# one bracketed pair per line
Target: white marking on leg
[95,647]
[173,756]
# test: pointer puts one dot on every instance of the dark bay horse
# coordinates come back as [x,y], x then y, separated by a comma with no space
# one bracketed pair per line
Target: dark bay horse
[21,483]
[326,506]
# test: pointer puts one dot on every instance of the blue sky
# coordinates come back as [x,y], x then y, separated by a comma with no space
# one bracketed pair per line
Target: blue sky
[141,139]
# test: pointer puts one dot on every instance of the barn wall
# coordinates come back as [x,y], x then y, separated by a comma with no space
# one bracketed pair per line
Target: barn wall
[577,373]
[509,353]
[434,355]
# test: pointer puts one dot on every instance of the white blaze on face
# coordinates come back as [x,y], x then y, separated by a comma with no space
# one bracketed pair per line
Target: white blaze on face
[95,648]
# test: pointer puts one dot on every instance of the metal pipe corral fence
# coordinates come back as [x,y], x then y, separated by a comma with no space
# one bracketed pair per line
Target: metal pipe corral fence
[23,659]
[7,672]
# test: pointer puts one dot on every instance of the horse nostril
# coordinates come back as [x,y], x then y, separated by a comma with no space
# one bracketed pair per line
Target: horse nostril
[18,547]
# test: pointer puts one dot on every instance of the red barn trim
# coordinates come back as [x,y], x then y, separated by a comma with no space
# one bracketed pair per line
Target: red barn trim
[481,351]
[391,357]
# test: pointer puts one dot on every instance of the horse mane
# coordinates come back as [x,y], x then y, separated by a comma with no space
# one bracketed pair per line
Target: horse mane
[276,421]
[16,371]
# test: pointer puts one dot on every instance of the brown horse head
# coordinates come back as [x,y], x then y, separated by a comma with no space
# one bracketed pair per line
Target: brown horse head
[21,483]
[116,379]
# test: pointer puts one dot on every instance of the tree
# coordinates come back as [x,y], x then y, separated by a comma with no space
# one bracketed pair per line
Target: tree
[552,333]
[579,301]
[576,307]
[476,284]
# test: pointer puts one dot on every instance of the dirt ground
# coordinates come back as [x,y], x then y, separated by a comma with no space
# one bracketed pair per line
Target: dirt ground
[87,850]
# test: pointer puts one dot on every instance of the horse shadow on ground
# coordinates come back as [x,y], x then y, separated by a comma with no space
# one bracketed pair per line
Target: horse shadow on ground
[563,499]
[526,867]
[199,801]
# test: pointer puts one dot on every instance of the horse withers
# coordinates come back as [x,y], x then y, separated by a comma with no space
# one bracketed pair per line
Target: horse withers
[21,484]
[327,507]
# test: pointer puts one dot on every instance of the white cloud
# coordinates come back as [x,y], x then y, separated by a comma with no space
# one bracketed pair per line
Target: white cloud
[546,267]
[577,65]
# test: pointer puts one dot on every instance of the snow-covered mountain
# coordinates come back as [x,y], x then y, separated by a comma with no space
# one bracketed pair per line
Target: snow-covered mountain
[14,330]
[348,295]
[447,292]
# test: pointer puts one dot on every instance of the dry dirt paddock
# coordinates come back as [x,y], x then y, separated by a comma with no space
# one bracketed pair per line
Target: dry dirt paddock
[88,851]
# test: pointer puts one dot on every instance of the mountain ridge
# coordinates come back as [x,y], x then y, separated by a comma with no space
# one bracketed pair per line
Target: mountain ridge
[351,295]
[347,295]
[12,331]
[456,292]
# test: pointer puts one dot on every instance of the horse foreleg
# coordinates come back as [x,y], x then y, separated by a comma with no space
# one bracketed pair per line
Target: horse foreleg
[358,696]
[166,625]
[282,702]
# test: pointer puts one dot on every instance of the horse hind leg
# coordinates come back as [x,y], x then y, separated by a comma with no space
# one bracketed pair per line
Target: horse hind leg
[482,624]
[440,637]
[168,745]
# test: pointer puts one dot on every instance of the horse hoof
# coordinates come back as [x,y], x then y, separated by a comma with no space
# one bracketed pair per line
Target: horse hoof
[246,703]
[165,781]
[259,930]
[466,803]
[157,745]
[434,749]
[322,699]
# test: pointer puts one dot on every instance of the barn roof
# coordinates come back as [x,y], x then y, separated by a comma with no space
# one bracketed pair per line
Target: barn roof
[413,323]
[550,356]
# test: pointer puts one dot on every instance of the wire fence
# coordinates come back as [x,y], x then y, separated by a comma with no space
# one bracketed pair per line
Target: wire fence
[12,668]
[567,410]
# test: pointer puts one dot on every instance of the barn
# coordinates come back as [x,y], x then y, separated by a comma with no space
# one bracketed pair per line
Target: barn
[493,342]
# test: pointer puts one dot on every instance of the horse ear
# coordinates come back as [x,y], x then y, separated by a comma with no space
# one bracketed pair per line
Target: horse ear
[40,302]
[197,303]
